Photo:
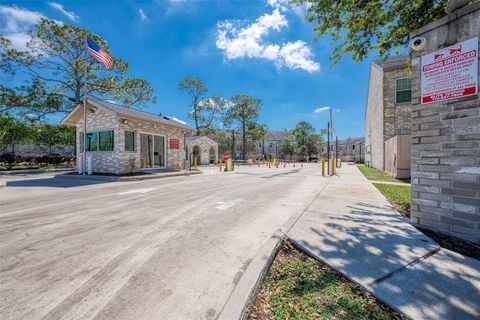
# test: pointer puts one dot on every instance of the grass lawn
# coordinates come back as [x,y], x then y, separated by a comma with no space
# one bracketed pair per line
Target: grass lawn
[375,174]
[300,287]
[398,195]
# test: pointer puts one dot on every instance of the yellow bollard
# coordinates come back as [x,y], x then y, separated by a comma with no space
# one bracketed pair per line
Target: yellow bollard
[220,164]
[195,162]
[333,166]
[231,165]
[323,167]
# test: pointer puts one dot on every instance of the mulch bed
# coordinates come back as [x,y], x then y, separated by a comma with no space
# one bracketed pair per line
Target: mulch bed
[298,287]
[455,244]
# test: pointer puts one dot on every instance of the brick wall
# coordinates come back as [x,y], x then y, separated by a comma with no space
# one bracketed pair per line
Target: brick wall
[204,144]
[446,141]
[175,157]
[103,161]
[396,116]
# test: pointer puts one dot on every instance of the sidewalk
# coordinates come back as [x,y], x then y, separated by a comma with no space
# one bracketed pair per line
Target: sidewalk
[356,231]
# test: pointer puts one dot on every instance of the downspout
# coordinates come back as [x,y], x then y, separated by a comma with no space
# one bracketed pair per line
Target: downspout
[185,146]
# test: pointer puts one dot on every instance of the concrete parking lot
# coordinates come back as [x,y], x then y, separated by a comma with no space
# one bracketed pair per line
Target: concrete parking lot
[170,248]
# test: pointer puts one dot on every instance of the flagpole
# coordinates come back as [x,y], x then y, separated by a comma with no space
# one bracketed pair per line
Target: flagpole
[84,164]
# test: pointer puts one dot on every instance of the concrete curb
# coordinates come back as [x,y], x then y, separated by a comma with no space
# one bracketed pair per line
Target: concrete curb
[126,178]
[240,300]
[32,171]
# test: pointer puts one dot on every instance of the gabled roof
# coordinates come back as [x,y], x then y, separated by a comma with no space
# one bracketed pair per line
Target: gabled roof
[279,135]
[191,138]
[72,118]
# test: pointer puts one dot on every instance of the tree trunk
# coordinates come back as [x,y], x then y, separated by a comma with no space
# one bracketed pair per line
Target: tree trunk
[244,140]
[233,144]
[196,117]
[263,147]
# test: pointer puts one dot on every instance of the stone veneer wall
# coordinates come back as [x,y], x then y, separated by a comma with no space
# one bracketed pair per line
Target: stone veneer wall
[175,157]
[118,160]
[103,161]
[204,144]
[446,141]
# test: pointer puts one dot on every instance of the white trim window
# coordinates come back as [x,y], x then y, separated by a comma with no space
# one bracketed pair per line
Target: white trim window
[403,90]
[129,141]
[98,141]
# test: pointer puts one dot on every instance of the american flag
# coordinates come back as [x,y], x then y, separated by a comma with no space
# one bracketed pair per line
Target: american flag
[99,54]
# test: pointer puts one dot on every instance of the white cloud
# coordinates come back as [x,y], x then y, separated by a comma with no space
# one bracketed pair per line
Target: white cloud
[69,14]
[143,16]
[249,42]
[17,19]
[321,109]
[278,4]
[285,5]
[15,23]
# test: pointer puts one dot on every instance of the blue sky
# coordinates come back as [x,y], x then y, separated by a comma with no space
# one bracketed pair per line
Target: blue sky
[259,48]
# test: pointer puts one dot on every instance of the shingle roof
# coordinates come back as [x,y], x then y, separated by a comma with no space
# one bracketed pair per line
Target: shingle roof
[392,62]
[279,135]
[137,114]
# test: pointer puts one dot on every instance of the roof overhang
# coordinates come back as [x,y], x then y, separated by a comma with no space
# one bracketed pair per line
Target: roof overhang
[72,118]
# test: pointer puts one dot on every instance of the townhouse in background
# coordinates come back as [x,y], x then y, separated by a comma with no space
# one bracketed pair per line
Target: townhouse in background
[351,149]
[388,117]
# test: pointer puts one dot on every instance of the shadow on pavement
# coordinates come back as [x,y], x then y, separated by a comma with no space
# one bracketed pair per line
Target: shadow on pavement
[380,250]
[53,183]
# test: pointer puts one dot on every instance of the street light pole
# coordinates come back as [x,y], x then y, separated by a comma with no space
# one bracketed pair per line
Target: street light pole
[328,148]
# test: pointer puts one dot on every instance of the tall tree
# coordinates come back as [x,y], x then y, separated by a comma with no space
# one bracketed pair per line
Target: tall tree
[358,27]
[210,112]
[288,147]
[205,111]
[313,145]
[49,137]
[56,64]
[13,131]
[196,89]
[244,112]
[301,131]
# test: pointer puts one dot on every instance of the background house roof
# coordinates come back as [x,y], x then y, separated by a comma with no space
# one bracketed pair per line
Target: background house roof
[279,135]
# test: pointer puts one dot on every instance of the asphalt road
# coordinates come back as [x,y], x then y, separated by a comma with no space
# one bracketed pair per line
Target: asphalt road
[171,248]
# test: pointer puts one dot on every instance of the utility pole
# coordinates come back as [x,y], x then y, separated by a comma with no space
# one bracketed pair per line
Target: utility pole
[331,128]
[328,148]
[336,149]
[263,147]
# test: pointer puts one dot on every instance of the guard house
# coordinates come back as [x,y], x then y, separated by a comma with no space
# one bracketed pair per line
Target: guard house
[204,148]
[123,140]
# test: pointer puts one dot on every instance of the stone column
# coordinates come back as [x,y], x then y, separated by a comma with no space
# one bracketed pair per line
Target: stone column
[445,165]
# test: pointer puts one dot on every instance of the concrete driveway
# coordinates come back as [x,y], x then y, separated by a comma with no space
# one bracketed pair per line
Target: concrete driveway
[171,248]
